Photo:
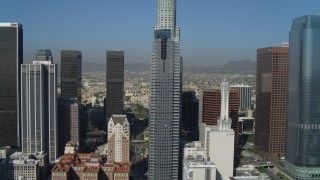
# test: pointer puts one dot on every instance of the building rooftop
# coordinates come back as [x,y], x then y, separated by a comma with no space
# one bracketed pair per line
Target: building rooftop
[90,162]
[198,161]
[119,119]
[247,170]
[194,144]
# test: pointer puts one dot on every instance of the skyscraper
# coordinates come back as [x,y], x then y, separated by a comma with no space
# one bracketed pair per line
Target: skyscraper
[118,139]
[39,105]
[272,99]
[189,119]
[218,140]
[245,96]
[211,110]
[71,74]
[68,122]
[115,83]
[165,95]
[303,133]
[11,57]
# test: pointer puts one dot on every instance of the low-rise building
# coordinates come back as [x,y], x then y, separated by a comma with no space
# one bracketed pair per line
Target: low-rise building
[89,166]
[24,166]
[249,172]
[5,152]
[196,166]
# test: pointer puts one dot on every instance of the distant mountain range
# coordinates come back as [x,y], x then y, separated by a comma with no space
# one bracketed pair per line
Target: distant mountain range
[231,66]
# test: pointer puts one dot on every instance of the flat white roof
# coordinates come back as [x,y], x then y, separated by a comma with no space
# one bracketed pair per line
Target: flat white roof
[10,24]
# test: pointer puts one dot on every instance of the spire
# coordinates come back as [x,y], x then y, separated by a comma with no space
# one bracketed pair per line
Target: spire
[224,122]
[225,88]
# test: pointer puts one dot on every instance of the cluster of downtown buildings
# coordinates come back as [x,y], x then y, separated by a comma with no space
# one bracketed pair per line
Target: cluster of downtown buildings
[40,131]
[189,138]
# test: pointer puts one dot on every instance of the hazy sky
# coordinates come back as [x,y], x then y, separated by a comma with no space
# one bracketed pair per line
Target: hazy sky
[212,31]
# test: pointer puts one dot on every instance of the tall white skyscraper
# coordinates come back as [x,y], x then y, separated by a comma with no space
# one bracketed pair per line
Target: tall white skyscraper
[39,105]
[165,92]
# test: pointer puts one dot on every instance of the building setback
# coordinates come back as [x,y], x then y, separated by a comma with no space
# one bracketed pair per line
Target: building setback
[165,95]
[71,74]
[39,105]
[271,99]
[115,83]
[303,142]
[118,139]
[11,58]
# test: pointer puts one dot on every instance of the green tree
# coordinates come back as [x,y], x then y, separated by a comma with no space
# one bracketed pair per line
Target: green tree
[141,136]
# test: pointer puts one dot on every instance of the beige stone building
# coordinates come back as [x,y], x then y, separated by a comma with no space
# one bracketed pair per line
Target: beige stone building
[118,139]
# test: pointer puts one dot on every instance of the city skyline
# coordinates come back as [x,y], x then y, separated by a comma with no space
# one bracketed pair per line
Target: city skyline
[253,22]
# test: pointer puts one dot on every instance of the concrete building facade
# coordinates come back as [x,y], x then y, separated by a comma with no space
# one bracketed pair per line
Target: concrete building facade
[218,139]
[196,166]
[211,110]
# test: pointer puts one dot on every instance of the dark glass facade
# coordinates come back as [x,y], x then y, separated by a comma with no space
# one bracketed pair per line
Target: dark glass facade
[71,74]
[11,57]
[303,135]
[115,83]
[190,113]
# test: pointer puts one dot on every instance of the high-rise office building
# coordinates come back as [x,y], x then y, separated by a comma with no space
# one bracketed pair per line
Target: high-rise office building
[11,58]
[303,142]
[211,107]
[115,83]
[39,105]
[218,140]
[71,74]
[271,109]
[189,119]
[69,119]
[165,95]
[118,139]
[245,96]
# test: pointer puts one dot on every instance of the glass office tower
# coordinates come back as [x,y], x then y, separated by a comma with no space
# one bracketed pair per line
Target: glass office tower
[165,94]
[39,105]
[11,58]
[303,135]
[71,74]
